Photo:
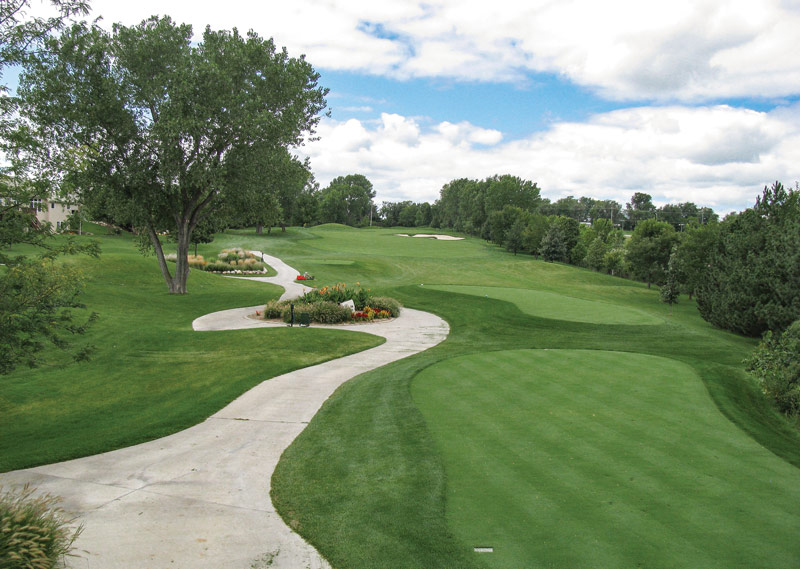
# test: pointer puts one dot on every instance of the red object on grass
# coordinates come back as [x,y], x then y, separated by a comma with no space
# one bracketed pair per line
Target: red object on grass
[300,278]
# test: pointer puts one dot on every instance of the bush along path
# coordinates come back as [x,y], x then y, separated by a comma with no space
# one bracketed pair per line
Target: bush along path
[200,498]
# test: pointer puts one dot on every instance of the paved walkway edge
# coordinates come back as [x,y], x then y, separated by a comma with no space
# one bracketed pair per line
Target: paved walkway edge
[200,498]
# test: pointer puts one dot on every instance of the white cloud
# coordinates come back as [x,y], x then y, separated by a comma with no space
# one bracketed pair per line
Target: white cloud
[718,156]
[690,50]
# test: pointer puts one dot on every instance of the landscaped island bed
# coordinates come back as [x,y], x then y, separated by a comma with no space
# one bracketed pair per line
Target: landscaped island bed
[333,304]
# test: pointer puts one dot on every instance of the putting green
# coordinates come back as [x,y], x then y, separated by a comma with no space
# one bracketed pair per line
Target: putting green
[578,458]
[558,306]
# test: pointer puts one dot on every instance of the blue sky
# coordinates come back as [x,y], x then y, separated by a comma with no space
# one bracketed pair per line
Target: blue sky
[687,100]
[516,110]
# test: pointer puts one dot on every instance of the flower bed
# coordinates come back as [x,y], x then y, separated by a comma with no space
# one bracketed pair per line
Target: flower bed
[324,306]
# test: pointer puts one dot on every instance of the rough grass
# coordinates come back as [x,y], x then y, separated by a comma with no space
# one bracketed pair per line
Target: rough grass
[151,374]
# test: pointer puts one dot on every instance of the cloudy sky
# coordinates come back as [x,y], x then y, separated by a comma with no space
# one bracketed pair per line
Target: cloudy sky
[687,100]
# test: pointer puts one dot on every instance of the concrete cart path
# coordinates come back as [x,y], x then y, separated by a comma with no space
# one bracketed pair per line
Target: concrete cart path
[200,498]
[286,277]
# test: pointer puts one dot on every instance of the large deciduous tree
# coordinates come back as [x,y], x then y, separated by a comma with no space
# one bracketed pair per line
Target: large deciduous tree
[347,200]
[639,208]
[163,125]
[649,249]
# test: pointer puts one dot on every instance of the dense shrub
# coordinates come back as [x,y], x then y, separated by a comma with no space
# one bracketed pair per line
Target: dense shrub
[776,364]
[321,312]
[329,313]
[33,531]
[338,293]
[274,308]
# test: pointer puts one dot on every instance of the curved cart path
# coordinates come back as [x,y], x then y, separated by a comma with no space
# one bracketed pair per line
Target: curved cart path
[200,498]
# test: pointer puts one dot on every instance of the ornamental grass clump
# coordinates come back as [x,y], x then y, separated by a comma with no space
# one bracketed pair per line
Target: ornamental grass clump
[34,534]
[274,309]
[228,261]
[197,262]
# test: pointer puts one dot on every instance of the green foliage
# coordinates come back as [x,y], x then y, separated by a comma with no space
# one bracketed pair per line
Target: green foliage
[649,249]
[639,209]
[554,244]
[391,305]
[329,313]
[337,293]
[534,232]
[752,282]
[776,364]
[182,124]
[323,312]
[670,290]
[34,533]
[514,240]
[466,205]
[35,302]
[323,305]
[274,309]
[347,200]
[594,258]
[693,255]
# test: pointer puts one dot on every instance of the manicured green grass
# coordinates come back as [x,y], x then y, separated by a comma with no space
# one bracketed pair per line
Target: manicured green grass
[374,482]
[151,374]
[558,306]
[565,458]
[371,483]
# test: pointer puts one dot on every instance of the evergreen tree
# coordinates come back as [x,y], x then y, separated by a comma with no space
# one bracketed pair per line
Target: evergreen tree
[554,244]
[752,282]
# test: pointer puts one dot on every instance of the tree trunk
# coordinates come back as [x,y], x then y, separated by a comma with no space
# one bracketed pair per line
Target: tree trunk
[177,283]
[182,262]
[259,228]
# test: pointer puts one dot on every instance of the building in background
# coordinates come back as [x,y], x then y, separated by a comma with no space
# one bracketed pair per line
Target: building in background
[54,212]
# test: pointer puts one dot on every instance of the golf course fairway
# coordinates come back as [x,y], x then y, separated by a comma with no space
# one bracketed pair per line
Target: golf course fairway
[584,458]
[557,306]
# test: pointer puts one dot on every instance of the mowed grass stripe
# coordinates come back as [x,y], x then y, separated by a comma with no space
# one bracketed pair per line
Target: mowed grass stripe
[557,306]
[553,459]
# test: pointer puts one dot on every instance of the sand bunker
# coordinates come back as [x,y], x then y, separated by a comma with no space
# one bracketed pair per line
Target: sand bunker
[440,237]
